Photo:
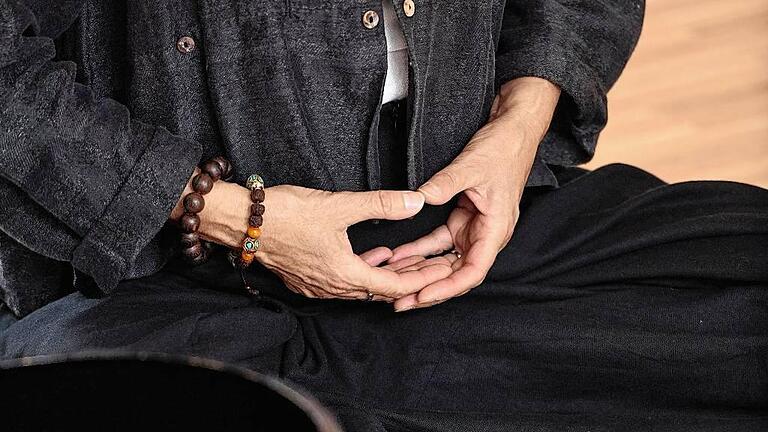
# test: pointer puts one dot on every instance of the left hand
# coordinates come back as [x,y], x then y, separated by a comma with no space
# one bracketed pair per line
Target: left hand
[490,173]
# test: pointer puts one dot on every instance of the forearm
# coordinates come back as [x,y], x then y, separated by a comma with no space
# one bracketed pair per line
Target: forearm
[583,50]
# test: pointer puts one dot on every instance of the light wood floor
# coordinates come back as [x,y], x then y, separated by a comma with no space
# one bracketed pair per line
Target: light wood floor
[693,101]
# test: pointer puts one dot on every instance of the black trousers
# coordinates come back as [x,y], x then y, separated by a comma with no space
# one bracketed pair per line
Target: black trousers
[621,303]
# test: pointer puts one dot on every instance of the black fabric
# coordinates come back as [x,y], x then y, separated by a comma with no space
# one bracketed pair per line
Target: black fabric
[103,118]
[621,303]
[393,137]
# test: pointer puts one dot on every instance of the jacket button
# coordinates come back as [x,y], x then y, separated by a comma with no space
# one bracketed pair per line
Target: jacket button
[409,8]
[370,19]
[185,45]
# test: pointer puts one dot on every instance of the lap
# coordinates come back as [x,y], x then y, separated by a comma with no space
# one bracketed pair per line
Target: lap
[633,298]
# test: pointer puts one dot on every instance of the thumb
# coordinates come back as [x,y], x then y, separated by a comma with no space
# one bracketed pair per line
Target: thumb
[444,185]
[380,204]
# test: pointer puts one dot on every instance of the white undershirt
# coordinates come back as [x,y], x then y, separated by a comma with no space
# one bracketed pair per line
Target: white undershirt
[396,81]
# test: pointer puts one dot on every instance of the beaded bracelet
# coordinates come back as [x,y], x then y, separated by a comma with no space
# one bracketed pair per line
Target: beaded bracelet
[194,250]
[245,256]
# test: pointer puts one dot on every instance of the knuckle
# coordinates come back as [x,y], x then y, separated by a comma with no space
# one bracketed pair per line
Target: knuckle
[383,201]
[450,178]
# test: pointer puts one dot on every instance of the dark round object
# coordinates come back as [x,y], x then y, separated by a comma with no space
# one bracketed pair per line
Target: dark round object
[124,391]
[185,45]
[257,209]
[190,222]
[213,169]
[226,167]
[255,220]
[194,251]
[194,203]
[257,195]
[202,183]
[189,239]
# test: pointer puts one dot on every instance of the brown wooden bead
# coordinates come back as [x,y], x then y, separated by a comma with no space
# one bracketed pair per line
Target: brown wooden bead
[257,209]
[189,239]
[226,167]
[255,220]
[254,232]
[194,203]
[213,169]
[190,222]
[247,257]
[202,183]
[257,195]
[193,251]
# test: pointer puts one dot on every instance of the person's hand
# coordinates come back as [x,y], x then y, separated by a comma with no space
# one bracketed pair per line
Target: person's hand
[304,239]
[490,173]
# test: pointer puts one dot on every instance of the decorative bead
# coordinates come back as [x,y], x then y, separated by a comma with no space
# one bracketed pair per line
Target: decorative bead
[189,239]
[250,245]
[193,251]
[190,222]
[194,202]
[255,220]
[254,232]
[213,169]
[257,195]
[257,209]
[254,182]
[226,167]
[202,183]
[247,257]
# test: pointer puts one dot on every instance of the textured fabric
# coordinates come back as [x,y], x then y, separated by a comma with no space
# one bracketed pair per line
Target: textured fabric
[103,118]
[6,317]
[621,303]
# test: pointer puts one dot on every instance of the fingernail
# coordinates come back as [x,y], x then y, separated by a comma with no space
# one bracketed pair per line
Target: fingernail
[429,303]
[405,309]
[413,200]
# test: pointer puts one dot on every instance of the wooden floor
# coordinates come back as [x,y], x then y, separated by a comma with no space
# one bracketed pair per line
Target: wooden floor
[693,101]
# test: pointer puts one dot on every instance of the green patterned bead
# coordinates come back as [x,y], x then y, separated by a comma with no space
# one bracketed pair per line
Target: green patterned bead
[254,182]
[251,245]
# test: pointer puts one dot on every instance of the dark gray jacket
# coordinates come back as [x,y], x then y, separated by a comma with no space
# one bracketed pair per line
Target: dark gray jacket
[102,118]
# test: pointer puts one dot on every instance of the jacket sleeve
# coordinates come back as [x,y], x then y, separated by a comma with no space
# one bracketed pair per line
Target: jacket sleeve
[582,46]
[101,184]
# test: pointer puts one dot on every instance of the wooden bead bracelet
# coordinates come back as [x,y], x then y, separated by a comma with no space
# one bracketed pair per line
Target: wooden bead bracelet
[194,250]
[245,256]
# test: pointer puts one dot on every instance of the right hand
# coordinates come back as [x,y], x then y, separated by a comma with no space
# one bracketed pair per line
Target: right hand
[304,239]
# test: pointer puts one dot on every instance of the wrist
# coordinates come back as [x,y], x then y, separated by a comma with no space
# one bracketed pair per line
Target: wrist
[528,104]
[224,219]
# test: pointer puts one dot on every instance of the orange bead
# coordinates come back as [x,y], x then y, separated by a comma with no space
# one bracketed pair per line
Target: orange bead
[254,232]
[247,257]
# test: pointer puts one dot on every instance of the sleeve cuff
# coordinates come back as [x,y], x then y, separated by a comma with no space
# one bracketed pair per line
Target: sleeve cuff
[581,112]
[138,211]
